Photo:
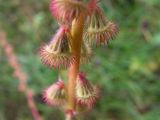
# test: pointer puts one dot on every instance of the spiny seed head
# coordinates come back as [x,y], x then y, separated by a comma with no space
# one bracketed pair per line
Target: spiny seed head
[66,10]
[99,30]
[86,53]
[55,94]
[86,93]
[58,52]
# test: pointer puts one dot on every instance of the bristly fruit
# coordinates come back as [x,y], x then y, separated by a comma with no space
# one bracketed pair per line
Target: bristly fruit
[55,94]
[66,10]
[58,52]
[86,93]
[99,30]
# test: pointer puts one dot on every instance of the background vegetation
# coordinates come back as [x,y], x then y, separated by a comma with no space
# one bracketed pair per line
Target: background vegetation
[128,70]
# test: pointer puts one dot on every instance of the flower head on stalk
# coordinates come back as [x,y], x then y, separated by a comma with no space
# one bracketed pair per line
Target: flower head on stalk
[86,93]
[55,94]
[58,52]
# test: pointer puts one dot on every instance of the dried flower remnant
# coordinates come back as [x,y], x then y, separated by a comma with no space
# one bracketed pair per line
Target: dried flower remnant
[55,94]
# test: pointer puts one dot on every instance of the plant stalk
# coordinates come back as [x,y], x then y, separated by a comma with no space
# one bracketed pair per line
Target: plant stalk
[77,33]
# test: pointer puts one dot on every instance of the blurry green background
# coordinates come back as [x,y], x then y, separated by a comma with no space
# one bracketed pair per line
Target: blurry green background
[128,70]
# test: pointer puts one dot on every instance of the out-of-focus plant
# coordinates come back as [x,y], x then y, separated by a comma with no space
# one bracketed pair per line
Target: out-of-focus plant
[82,24]
[20,75]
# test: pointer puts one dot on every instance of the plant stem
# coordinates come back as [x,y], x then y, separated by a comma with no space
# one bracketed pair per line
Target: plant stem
[77,33]
[20,74]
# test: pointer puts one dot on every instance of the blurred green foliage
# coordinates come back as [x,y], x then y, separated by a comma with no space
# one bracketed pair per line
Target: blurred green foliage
[128,70]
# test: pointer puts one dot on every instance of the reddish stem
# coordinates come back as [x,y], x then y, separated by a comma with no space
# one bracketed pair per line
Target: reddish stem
[77,32]
[20,75]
